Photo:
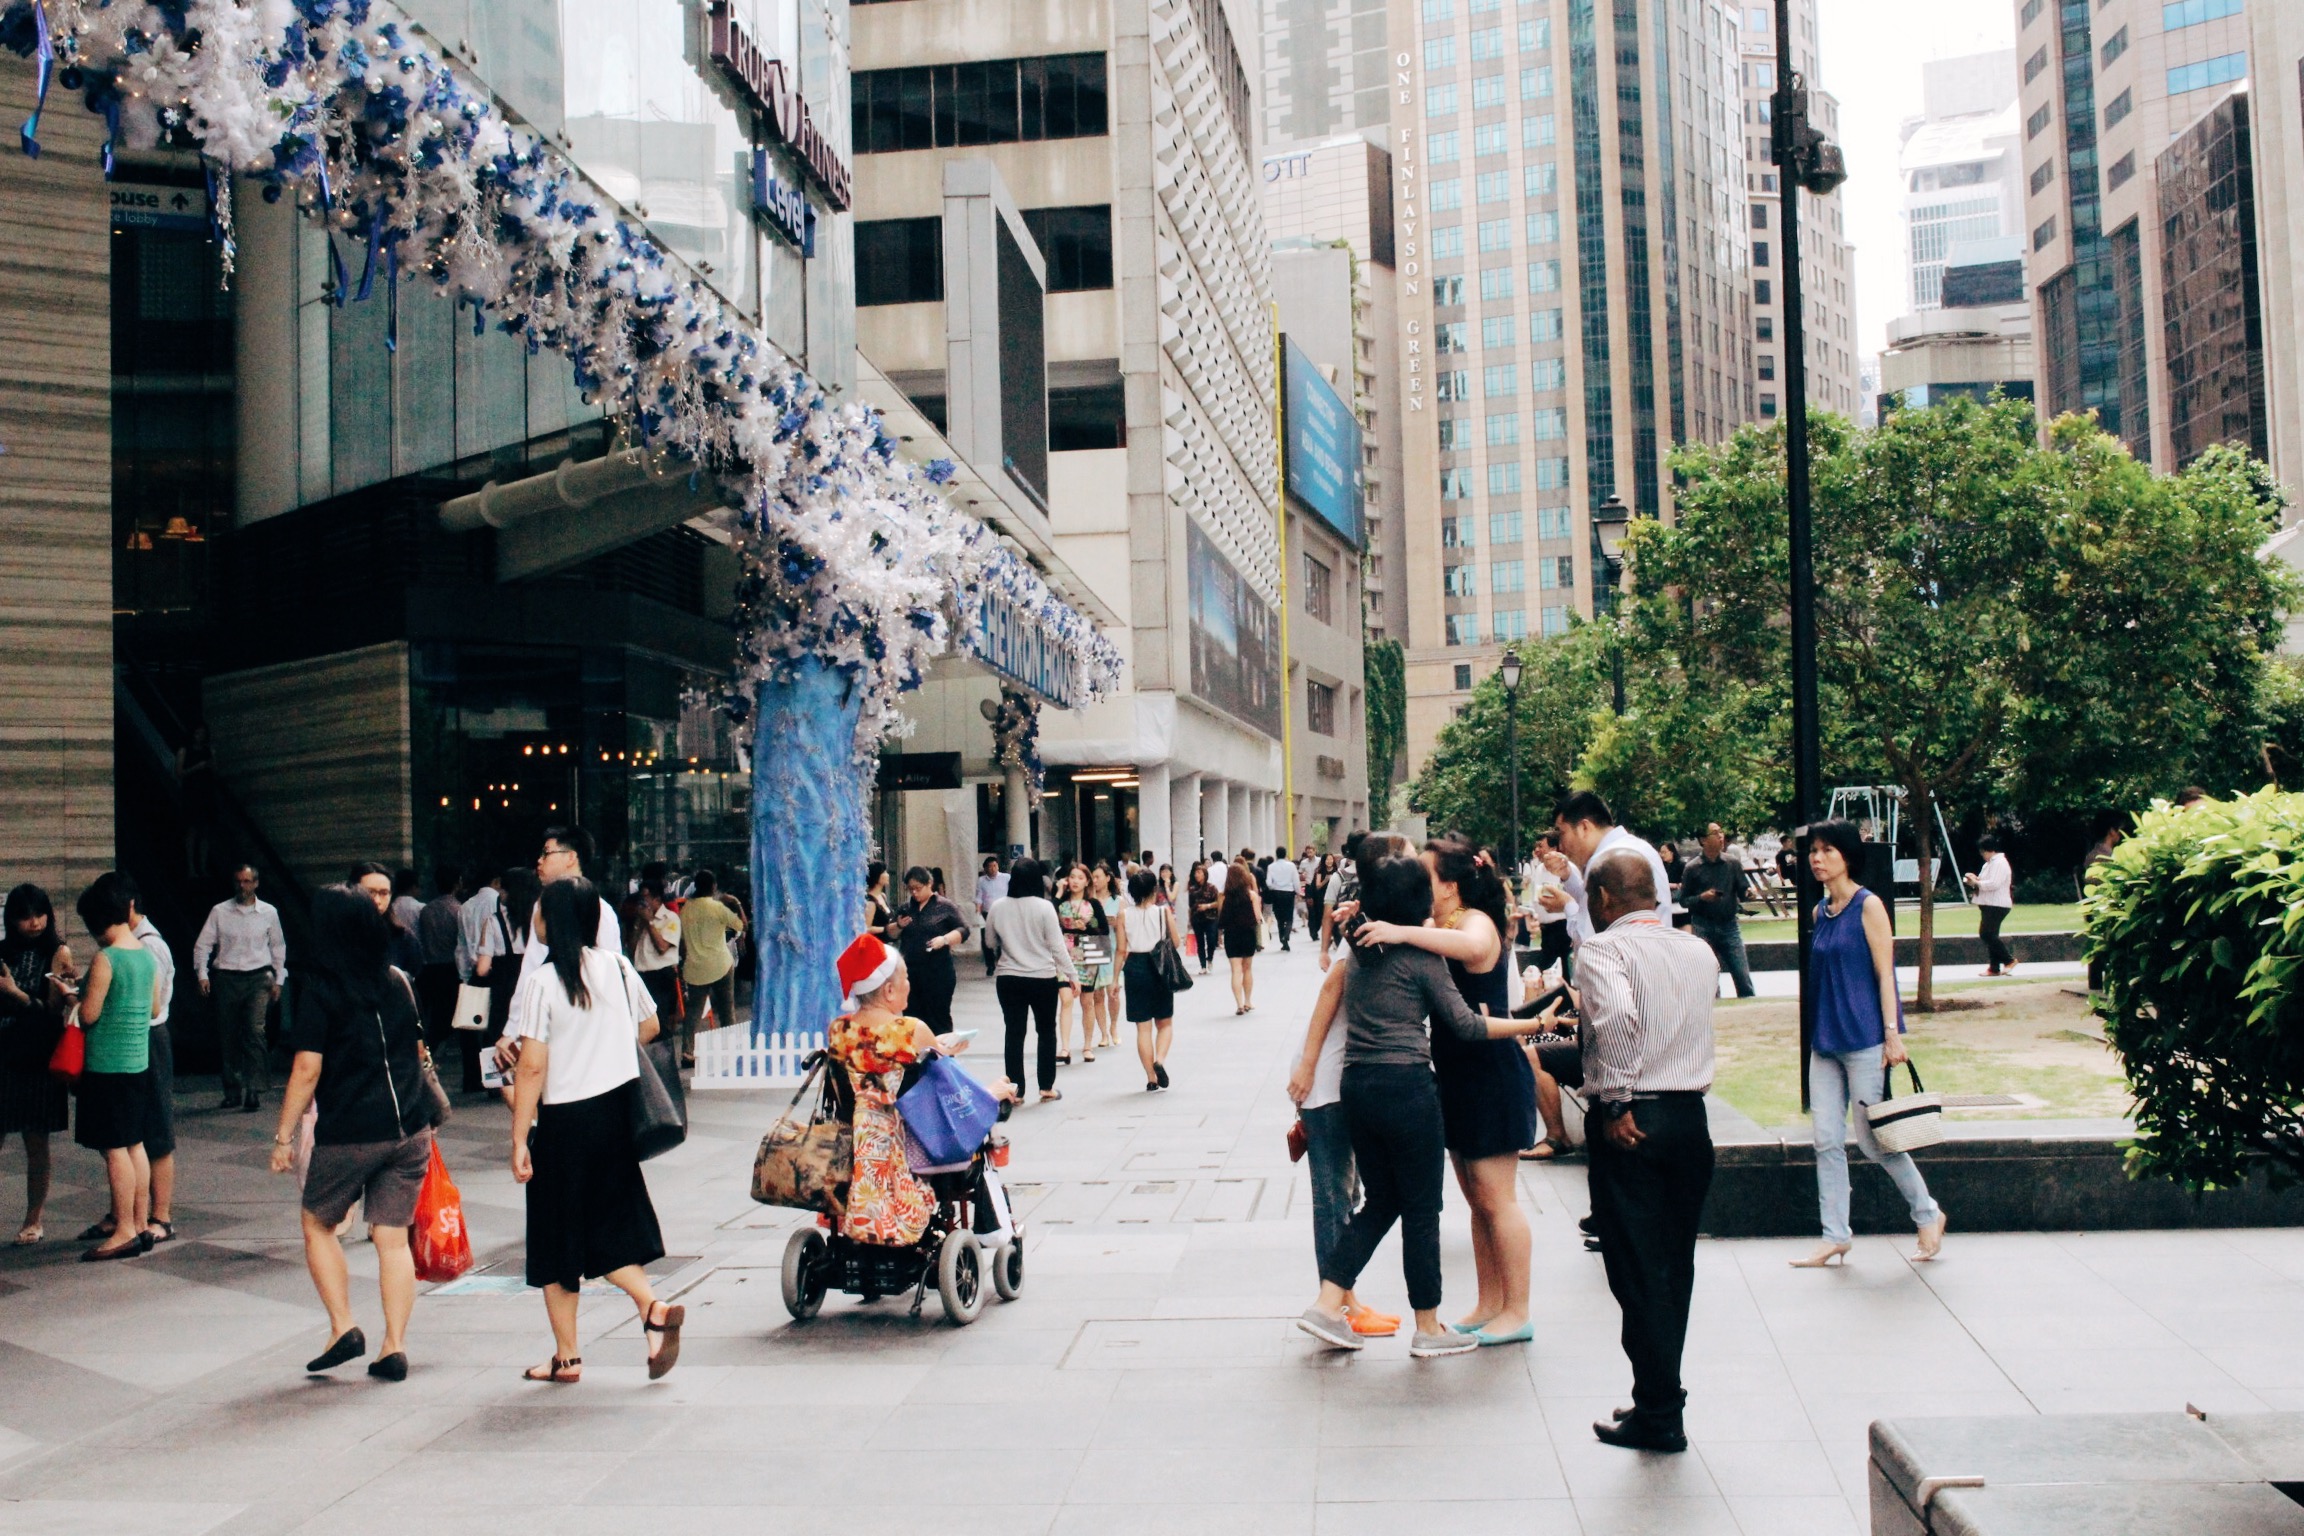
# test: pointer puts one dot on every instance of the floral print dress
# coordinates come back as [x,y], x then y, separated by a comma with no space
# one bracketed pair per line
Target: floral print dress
[888,1204]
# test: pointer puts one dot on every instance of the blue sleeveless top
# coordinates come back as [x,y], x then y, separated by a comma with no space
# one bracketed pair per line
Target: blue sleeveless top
[1847,988]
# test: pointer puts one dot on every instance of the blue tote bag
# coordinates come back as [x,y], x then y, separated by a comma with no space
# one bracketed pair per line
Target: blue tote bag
[948,1112]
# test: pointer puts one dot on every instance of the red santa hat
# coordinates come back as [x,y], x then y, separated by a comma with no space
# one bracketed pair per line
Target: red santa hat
[865,966]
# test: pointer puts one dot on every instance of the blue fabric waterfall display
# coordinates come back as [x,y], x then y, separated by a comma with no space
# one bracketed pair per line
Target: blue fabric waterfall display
[808,840]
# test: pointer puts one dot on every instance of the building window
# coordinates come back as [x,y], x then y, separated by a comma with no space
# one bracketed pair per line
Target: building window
[1767,327]
[1759,215]
[2035,64]
[2029,15]
[1440,52]
[2218,71]
[1554,523]
[1453,384]
[1455,434]
[1548,424]
[1507,576]
[1495,235]
[1539,131]
[1503,431]
[1536,34]
[1760,76]
[1448,242]
[2044,234]
[2116,45]
[1440,101]
[1544,277]
[1463,676]
[1510,624]
[1496,331]
[1487,43]
[1463,629]
[1447,194]
[1760,253]
[1500,381]
[1319,708]
[1441,148]
[1548,372]
[1488,139]
[1543,228]
[1555,572]
[998,101]
[1456,580]
[899,261]
[1503,527]
[1495,284]
[1448,290]
[1540,180]
[1438,11]
[2040,119]
[1767,365]
[1487,91]
[1088,416]
[2042,175]
[1451,336]
[1767,406]
[1536,84]
[1456,532]
[1763,292]
[1491,187]
[2190,13]
[2122,170]
[1075,242]
[1319,589]
[2117,108]
[1504,479]
[1551,474]
[1455,485]
[1544,325]
[1555,620]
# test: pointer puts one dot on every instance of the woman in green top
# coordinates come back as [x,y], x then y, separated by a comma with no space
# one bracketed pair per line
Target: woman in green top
[115,1087]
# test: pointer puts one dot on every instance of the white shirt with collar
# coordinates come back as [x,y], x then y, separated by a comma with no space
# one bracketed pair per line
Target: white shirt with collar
[1613,840]
[473,921]
[164,959]
[242,937]
[533,959]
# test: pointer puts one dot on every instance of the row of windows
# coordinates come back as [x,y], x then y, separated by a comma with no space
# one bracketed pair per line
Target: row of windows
[901,261]
[999,101]
[1464,629]
[2037,121]
[2117,108]
[2122,170]
[2114,46]
[1447,196]
[1504,479]
[1554,573]
[2217,71]
[2190,13]
[1501,381]
[1437,11]
[1488,43]
[1487,91]
[1505,527]
[1489,138]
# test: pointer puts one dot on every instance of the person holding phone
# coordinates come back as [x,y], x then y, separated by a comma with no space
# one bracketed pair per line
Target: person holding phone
[928,928]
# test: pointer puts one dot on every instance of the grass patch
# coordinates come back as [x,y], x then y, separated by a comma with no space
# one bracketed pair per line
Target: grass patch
[1952,921]
[2029,1039]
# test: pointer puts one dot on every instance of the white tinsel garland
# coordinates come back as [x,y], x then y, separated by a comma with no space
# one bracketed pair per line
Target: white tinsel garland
[850,554]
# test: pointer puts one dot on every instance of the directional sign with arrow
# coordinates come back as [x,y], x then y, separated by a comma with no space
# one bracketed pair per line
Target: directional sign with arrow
[136,205]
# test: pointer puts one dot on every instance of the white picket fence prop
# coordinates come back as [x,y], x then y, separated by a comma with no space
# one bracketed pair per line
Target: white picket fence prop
[729,1058]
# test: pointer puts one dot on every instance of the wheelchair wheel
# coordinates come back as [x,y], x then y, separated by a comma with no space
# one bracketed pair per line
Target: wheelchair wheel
[807,1273]
[960,1278]
[1008,1268]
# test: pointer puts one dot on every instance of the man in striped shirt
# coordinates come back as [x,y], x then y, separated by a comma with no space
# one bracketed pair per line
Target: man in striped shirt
[1645,993]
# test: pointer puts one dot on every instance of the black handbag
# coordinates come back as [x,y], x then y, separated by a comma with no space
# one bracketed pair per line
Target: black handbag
[659,1107]
[1171,966]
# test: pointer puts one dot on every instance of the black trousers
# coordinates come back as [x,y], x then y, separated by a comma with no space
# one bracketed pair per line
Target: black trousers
[1284,914]
[1988,921]
[1393,1113]
[1036,996]
[1205,939]
[933,984]
[1645,1207]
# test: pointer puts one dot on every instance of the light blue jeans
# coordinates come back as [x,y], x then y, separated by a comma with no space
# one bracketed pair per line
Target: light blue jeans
[1834,1083]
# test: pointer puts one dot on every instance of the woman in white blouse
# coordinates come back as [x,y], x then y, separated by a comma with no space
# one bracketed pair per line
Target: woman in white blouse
[1995,888]
[584,1015]
[1144,922]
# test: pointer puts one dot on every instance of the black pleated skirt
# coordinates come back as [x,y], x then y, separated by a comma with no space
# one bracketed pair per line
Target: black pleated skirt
[588,1206]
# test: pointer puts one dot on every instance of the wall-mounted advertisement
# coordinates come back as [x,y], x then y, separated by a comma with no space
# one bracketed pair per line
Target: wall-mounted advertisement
[1235,638]
[1323,448]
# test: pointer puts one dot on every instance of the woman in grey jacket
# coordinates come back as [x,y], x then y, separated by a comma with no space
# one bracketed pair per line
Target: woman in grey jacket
[1035,968]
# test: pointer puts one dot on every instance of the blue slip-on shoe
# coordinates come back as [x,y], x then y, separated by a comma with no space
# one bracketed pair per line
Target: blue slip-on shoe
[1524,1334]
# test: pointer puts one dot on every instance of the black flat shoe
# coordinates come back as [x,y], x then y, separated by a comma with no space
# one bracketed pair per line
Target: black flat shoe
[1160,1071]
[1631,1435]
[97,1232]
[391,1367]
[350,1345]
[106,1255]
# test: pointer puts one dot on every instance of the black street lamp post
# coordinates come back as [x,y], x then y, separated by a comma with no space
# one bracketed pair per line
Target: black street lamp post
[1609,526]
[1510,672]
[1805,162]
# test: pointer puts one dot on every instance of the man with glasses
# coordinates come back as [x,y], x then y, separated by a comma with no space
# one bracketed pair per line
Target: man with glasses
[568,854]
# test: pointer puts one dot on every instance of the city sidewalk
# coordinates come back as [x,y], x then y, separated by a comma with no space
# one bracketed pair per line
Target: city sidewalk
[1148,1379]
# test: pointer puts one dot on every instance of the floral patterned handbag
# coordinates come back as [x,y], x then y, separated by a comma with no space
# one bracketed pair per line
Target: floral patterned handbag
[806,1160]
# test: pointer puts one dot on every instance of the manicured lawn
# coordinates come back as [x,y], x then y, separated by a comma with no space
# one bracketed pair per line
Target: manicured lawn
[1960,920]
[2034,1040]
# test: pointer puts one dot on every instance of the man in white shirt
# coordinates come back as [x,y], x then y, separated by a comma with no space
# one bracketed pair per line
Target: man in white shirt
[568,853]
[472,921]
[1584,828]
[1280,882]
[241,960]
[991,886]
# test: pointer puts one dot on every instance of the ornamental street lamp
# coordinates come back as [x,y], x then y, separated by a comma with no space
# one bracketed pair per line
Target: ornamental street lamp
[1806,162]
[1609,525]
[1510,673]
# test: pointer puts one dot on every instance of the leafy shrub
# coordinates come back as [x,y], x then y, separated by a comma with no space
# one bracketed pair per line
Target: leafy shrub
[2199,922]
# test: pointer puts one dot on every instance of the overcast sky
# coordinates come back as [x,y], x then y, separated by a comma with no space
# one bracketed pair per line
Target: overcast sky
[1872,53]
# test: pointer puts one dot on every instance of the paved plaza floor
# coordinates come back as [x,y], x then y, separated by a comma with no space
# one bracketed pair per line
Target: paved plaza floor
[1148,1379]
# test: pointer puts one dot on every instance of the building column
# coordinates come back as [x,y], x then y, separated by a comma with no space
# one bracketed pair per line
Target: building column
[1239,819]
[1017,814]
[1183,821]
[1216,817]
[1152,811]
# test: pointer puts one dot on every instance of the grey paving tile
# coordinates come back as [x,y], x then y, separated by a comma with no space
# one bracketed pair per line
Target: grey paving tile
[1770,1467]
[1424,1475]
[1819,1515]
[1707,1516]
[1163,1475]
[76,1517]
[1181,1520]
[461,1479]
[1485,1517]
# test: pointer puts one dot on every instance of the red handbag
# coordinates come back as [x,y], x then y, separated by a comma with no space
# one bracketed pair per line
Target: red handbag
[70,1058]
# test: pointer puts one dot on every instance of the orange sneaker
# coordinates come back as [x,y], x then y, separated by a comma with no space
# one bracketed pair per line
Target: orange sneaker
[1372,1324]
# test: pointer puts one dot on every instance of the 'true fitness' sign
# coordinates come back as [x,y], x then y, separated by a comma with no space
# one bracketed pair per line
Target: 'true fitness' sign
[775,94]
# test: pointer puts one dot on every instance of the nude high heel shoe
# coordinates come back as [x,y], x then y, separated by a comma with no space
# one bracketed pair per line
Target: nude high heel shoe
[1931,1241]
[1824,1257]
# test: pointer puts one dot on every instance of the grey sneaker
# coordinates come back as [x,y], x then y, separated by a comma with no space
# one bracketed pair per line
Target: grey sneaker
[1335,1332]
[1427,1346]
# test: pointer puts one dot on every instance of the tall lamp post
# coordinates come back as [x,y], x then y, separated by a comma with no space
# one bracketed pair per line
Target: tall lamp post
[1805,162]
[1609,526]
[1510,673]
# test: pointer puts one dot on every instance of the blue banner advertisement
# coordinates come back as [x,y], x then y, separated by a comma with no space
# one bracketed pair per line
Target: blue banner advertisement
[1323,448]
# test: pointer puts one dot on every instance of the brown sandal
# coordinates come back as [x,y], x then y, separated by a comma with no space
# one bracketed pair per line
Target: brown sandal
[668,1353]
[566,1372]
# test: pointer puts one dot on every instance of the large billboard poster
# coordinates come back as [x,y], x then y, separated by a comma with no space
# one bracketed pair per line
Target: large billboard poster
[1235,638]
[1323,445]
[1023,367]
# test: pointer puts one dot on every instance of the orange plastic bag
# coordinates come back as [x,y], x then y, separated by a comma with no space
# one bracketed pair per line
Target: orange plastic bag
[442,1246]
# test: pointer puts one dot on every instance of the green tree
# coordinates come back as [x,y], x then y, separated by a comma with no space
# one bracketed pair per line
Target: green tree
[1385,669]
[1466,782]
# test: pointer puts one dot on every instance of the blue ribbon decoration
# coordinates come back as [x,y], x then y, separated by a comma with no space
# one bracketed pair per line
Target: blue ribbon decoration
[368,267]
[391,298]
[44,49]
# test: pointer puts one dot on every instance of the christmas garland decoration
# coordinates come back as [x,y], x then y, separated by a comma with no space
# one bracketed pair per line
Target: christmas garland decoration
[850,554]
[1016,741]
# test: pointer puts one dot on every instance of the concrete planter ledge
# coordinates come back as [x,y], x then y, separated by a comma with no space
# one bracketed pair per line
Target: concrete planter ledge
[1784,954]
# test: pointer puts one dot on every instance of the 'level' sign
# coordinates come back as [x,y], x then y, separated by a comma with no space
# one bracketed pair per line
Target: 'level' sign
[137,206]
